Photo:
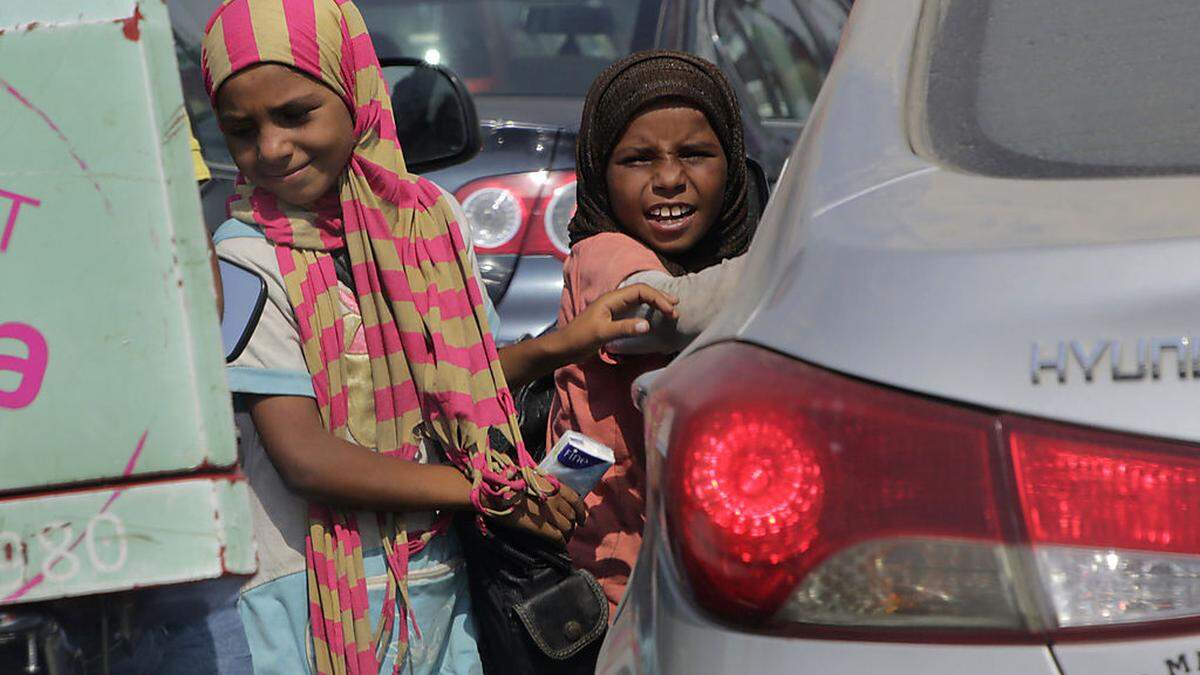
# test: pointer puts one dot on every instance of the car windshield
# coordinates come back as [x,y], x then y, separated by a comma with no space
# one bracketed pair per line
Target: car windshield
[1062,88]
[514,47]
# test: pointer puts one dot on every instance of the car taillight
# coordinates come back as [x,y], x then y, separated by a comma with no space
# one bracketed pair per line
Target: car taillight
[560,208]
[1114,522]
[495,215]
[520,213]
[803,500]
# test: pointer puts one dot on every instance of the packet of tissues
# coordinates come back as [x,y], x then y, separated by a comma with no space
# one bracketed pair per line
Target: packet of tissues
[578,461]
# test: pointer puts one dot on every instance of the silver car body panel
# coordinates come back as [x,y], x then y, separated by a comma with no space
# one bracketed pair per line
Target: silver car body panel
[875,261]
[1170,656]
[535,308]
[879,263]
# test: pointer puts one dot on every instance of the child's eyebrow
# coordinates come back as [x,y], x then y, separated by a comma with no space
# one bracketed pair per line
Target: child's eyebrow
[638,149]
[305,100]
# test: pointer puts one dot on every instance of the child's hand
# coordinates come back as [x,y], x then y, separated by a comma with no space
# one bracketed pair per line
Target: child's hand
[601,322]
[555,519]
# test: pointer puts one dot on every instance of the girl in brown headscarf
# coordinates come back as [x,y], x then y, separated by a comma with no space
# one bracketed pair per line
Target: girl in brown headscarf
[662,191]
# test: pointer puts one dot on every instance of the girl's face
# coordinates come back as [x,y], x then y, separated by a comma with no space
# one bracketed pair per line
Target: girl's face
[287,133]
[666,178]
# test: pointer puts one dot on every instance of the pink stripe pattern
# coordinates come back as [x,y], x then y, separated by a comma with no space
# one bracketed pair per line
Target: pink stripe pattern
[431,353]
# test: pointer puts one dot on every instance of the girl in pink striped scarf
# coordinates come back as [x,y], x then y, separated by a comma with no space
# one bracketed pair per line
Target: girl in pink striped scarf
[371,388]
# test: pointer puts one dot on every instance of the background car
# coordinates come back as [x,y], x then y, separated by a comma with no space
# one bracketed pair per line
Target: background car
[945,425]
[528,64]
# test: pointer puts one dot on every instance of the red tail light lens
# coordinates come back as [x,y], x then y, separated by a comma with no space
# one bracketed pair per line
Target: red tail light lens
[751,498]
[514,213]
[785,464]
[803,499]
[1085,488]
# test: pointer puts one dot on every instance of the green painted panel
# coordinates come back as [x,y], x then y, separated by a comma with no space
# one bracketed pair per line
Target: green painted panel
[110,539]
[238,555]
[110,356]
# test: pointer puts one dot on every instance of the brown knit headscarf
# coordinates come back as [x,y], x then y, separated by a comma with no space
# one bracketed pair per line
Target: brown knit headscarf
[625,89]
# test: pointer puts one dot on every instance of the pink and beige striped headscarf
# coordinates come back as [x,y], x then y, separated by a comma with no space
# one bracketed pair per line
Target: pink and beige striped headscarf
[434,366]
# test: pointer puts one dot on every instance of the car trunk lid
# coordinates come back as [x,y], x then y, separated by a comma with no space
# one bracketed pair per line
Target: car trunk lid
[1002,293]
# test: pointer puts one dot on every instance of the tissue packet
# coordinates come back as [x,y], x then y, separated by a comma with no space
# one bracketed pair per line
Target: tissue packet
[578,461]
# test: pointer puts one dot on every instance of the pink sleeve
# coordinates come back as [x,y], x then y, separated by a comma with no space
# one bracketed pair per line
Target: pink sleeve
[604,260]
[598,265]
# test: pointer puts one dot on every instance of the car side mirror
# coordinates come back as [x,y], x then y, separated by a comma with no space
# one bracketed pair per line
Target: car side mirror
[245,295]
[435,115]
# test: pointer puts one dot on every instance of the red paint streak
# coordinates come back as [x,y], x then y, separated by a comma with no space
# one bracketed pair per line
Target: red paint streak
[40,577]
[29,585]
[137,452]
[130,26]
[18,201]
[45,118]
[62,137]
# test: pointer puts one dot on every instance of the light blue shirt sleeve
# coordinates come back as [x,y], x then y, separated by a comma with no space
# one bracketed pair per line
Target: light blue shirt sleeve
[269,381]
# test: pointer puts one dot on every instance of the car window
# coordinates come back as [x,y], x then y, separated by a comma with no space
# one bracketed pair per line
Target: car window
[771,50]
[513,47]
[1060,88]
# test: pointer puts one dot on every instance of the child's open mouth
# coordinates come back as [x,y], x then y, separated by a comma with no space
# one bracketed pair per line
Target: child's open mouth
[670,217]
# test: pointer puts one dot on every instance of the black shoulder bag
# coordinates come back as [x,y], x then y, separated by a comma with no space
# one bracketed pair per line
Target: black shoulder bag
[534,612]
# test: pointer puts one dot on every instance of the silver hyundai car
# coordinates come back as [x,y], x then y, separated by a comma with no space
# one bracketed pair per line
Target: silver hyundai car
[946,426]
